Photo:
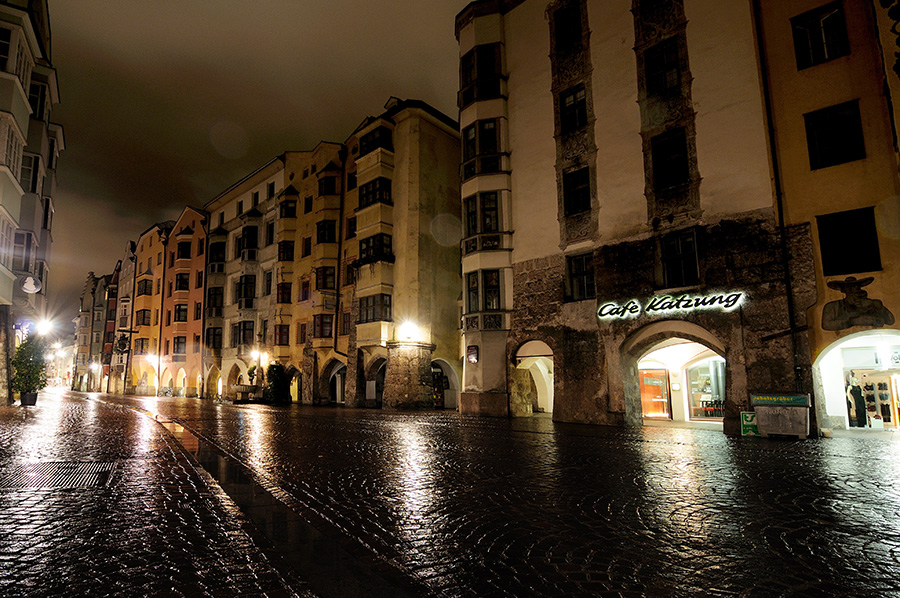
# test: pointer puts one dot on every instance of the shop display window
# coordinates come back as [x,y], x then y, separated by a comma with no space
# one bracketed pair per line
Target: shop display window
[707,388]
[655,400]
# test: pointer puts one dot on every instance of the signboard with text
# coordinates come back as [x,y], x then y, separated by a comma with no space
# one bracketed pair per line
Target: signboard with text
[779,400]
[668,304]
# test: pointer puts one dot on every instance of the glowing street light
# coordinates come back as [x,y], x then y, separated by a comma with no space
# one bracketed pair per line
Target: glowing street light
[43,327]
[408,331]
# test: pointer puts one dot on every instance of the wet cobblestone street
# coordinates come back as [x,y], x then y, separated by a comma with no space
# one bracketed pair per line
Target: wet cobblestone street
[529,507]
[457,506]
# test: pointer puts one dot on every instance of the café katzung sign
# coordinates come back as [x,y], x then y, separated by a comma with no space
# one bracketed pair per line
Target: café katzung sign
[667,304]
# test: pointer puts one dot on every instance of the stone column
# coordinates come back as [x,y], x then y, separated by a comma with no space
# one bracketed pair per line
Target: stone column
[407,380]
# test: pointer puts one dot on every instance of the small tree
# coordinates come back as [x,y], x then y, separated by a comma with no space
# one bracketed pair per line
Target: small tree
[30,371]
[278,387]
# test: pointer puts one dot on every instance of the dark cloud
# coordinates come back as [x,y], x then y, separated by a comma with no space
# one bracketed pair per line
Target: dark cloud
[165,103]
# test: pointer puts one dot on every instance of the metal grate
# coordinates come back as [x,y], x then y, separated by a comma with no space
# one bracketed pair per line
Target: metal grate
[58,475]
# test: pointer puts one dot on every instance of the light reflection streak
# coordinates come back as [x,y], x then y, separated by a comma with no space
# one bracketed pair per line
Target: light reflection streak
[415,467]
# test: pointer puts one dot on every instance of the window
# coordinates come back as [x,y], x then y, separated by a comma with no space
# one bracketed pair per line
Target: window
[376,191]
[287,209]
[283,292]
[145,287]
[325,277]
[282,335]
[181,312]
[351,227]
[141,346]
[198,310]
[304,290]
[196,343]
[159,258]
[820,35]
[37,94]
[182,281]
[482,213]
[576,191]
[572,109]
[168,317]
[327,185]
[172,260]
[349,274]
[490,280]
[267,283]
[307,204]
[286,251]
[322,325]
[380,138]
[351,181]
[199,279]
[375,248]
[567,29]
[375,308]
[214,338]
[270,233]
[242,333]
[217,252]
[472,292]
[247,242]
[30,175]
[679,260]
[662,67]
[848,242]
[580,277]
[834,135]
[245,290]
[142,317]
[22,252]
[215,299]
[155,317]
[479,74]
[264,332]
[170,289]
[345,323]
[307,247]
[670,159]
[183,250]
[254,197]
[481,145]
[240,208]
[325,231]
[301,334]
[179,345]
[270,190]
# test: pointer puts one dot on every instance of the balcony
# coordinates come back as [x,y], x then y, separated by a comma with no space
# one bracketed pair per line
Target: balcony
[381,159]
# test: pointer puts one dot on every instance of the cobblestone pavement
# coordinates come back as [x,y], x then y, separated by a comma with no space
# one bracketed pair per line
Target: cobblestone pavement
[98,500]
[529,507]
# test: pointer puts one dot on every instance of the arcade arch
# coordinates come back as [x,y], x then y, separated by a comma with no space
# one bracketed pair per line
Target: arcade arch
[856,380]
[674,370]
[534,393]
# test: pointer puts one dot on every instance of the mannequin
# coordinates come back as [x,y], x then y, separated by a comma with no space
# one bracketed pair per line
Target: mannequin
[855,395]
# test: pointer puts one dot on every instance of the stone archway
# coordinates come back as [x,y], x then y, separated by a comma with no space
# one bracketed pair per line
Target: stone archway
[334,376]
[446,395]
[213,383]
[642,341]
[375,373]
[296,383]
[531,381]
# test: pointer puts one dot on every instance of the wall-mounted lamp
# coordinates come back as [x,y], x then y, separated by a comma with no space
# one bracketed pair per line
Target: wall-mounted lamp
[472,353]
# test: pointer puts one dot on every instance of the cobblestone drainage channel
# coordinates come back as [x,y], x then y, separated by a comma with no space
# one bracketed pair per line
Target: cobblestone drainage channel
[313,557]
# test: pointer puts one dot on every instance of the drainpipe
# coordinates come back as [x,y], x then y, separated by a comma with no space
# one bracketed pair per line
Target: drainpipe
[779,197]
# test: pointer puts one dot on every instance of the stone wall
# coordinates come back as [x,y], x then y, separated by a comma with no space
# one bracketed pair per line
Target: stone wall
[407,381]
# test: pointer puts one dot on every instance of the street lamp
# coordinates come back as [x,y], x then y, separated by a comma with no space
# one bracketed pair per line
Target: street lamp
[43,327]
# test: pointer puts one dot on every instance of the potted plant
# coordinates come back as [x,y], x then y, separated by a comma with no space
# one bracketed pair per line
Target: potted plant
[29,369]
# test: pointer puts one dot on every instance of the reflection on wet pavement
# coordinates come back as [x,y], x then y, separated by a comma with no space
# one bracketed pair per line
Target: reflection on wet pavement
[330,570]
[530,507]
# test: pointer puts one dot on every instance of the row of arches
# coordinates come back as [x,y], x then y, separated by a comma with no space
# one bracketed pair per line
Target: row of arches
[678,371]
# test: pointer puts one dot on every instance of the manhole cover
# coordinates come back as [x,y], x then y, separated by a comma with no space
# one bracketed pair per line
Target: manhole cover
[57,475]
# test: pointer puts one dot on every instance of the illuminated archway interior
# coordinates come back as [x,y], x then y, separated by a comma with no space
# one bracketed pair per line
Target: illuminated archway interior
[682,380]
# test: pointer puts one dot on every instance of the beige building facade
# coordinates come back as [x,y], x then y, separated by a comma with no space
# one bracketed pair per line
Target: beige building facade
[644,190]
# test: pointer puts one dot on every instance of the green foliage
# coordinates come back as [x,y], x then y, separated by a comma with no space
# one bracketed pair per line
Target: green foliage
[251,373]
[278,388]
[30,372]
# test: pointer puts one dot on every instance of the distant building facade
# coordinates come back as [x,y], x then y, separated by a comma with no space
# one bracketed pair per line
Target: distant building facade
[645,189]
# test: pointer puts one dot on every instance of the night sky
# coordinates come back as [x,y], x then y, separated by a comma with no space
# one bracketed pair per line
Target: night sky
[166,103]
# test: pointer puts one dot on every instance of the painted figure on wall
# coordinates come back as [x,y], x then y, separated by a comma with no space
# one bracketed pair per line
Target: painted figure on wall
[856,308]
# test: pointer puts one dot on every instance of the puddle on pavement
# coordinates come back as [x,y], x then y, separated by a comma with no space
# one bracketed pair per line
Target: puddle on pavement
[313,557]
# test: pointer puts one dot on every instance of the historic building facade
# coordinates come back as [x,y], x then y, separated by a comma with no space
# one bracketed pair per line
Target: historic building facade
[146,307]
[643,214]
[316,260]
[181,312]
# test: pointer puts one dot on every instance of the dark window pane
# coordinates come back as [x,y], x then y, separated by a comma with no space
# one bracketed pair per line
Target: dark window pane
[834,135]
[576,191]
[848,242]
[670,160]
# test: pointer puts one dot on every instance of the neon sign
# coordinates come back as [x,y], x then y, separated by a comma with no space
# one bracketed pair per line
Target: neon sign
[663,304]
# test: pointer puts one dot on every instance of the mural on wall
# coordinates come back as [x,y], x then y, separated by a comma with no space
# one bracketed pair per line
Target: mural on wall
[856,308]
